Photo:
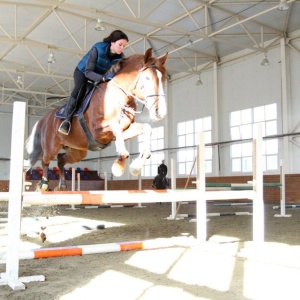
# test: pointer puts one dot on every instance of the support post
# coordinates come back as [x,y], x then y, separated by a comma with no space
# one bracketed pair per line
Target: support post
[140,188]
[11,277]
[105,181]
[173,182]
[201,201]
[258,202]
[282,193]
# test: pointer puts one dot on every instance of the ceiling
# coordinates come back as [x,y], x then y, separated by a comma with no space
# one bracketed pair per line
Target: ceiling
[195,33]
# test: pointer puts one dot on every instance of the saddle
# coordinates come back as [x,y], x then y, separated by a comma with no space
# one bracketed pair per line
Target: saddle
[86,93]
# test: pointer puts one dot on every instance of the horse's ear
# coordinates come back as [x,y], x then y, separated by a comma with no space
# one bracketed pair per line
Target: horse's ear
[148,55]
[163,59]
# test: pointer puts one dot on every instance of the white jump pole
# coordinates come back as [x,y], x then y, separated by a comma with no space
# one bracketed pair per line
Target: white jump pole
[11,277]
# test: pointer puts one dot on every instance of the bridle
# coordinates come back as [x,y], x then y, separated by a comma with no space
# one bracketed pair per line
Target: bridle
[145,95]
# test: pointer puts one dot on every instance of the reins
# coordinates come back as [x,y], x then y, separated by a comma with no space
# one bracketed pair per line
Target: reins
[130,95]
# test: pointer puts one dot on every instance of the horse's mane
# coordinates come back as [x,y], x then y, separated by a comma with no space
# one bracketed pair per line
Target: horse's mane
[136,62]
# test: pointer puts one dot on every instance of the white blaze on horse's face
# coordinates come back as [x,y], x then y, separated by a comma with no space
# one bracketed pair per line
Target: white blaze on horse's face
[154,95]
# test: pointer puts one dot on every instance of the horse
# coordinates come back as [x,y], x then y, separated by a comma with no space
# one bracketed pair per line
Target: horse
[109,116]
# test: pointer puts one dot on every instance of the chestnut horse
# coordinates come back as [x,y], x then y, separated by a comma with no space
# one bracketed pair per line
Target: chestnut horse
[109,117]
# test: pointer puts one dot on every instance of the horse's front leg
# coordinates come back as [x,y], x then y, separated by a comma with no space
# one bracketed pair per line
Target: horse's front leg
[134,130]
[117,130]
[119,164]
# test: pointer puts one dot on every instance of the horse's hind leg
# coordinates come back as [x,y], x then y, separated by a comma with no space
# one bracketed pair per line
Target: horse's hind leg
[69,157]
[62,185]
[43,185]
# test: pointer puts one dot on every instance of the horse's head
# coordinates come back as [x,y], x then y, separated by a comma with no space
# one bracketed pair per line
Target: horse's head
[141,77]
[150,85]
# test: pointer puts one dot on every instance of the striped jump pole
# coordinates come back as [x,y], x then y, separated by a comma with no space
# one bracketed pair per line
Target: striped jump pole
[221,214]
[101,248]
[234,204]
[104,206]
[287,206]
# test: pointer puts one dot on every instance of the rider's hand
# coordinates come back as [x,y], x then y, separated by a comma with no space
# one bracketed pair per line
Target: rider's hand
[108,77]
[95,83]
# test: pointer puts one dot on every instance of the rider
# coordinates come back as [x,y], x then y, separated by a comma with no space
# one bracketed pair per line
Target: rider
[92,67]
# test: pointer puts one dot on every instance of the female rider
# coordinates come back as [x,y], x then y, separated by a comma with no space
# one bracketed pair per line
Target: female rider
[92,67]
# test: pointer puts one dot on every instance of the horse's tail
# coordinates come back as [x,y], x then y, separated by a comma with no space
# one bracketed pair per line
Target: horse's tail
[33,145]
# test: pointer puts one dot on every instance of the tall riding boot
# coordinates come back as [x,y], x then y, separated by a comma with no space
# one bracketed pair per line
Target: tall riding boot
[65,126]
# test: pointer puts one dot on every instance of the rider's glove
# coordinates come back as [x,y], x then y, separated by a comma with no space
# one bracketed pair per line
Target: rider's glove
[95,83]
[108,77]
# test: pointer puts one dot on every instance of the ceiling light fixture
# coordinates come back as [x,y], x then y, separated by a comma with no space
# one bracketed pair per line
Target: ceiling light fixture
[100,26]
[19,80]
[265,61]
[51,59]
[283,5]
[199,81]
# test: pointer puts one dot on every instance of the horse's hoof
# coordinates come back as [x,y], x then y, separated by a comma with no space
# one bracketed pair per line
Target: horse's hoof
[136,167]
[118,167]
[134,172]
[42,186]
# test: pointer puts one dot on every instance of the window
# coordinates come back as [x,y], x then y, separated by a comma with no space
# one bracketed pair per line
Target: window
[187,137]
[157,143]
[243,124]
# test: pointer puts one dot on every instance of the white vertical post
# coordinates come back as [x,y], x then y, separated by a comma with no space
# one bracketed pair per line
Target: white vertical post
[282,189]
[15,196]
[258,201]
[140,188]
[73,185]
[105,181]
[78,181]
[201,201]
[282,193]
[215,131]
[173,183]
[285,101]
[11,277]
[73,179]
